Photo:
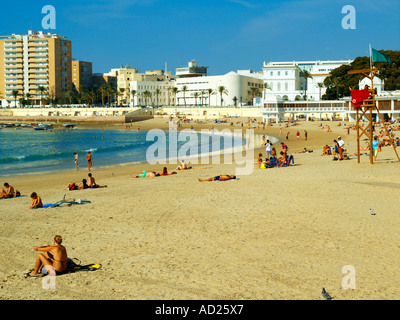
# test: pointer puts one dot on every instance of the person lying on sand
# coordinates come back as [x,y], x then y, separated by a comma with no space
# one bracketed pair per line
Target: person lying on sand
[36,201]
[54,258]
[219,178]
[306,151]
[92,183]
[146,174]
[164,172]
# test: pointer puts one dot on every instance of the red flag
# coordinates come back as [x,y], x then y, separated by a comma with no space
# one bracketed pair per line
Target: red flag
[358,96]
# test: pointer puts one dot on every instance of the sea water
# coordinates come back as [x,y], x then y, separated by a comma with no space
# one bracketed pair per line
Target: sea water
[25,150]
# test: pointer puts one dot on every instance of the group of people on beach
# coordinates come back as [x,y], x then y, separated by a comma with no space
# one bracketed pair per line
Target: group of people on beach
[8,192]
[272,160]
[164,172]
[88,183]
[88,157]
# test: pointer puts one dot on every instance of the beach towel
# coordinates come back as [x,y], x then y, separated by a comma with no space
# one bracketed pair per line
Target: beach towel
[60,203]
[73,266]
[358,96]
[22,196]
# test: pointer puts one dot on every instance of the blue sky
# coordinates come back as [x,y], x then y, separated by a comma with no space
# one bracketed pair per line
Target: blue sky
[224,35]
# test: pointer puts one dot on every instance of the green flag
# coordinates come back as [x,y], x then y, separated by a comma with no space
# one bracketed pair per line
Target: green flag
[378,56]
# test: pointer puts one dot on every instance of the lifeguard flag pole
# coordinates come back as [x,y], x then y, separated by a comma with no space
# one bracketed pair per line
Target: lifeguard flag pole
[369,104]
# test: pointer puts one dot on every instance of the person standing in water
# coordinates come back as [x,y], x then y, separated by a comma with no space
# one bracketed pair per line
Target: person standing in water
[89,159]
[76,157]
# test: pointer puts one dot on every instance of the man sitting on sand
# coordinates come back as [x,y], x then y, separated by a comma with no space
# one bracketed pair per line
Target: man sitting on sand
[92,183]
[283,158]
[219,178]
[36,201]
[54,259]
[8,192]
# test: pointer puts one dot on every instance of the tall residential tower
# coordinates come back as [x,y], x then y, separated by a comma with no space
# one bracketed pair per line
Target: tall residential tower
[28,62]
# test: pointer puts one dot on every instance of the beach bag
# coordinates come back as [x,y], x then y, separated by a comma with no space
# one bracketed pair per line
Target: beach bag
[379,147]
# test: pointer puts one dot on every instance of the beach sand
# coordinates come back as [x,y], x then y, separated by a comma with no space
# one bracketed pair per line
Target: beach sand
[281,233]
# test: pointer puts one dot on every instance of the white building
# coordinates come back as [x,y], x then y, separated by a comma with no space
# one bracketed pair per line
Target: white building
[379,84]
[160,93]
[238,90]
[285,79]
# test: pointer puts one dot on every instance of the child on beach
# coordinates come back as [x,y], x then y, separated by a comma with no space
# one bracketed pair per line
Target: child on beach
[36,201]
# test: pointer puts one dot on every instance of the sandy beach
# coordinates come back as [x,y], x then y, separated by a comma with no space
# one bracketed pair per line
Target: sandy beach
[280,233]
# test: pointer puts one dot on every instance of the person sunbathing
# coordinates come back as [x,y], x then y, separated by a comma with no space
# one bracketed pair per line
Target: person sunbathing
[145,174]
[219,178]
[164,172]
[36,201]
[83,185]
[54,258]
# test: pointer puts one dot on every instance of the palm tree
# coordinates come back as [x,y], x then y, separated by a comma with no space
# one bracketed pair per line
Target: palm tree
[69,96]
[103,93]
[202,94]
[222,90]
[210,92]
[320,85]
[266,87]
[157,93]
[28,97]
[337,85]
[254,92]
[15,94]
[184,89]
[109,92]
[146,94]
[174,91]
[133,93]
[42,90]
[121,94]
[195,95]
[306,75]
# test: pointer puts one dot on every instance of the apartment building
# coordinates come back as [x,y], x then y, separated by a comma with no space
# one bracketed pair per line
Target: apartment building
[81,74]
[28,62]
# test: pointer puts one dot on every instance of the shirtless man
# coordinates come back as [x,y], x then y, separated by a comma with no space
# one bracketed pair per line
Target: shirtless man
[89,159]
[8,193]
[36,201]
[54,258]
[92,183]
[219,178]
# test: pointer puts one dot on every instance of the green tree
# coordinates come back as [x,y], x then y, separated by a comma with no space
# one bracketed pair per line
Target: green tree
[174,91]
[15,94]
[184,89]
[320,85]
[42,91]
[306,75]
[133,94]
[222,90]
[210,92]
[157,92]
[196,95]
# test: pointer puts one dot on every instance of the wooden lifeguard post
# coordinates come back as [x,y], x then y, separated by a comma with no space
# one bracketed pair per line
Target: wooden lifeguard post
[365,110]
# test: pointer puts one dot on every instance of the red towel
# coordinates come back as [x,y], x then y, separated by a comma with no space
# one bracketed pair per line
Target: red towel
[358,96]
